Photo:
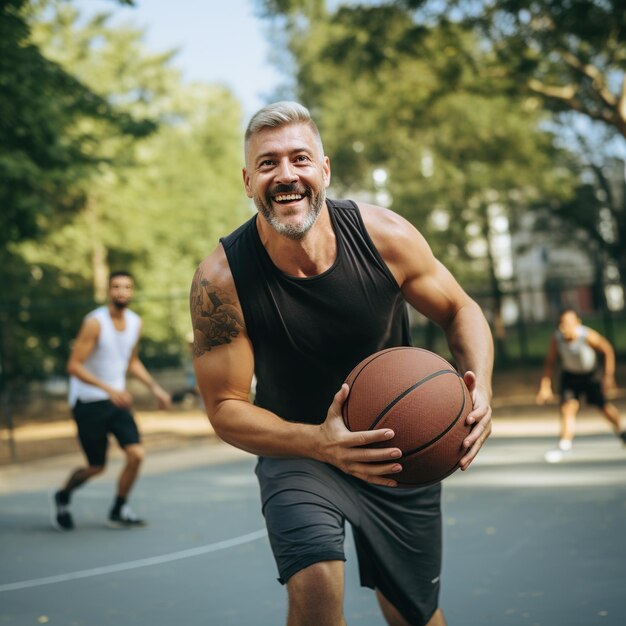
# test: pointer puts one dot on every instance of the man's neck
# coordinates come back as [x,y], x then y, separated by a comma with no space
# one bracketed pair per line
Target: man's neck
[302,258]
[116,312]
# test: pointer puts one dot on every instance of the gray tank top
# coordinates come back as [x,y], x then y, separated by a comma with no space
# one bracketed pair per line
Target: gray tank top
[577,356]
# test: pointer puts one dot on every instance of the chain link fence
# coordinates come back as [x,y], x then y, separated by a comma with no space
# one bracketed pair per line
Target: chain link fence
[36,338]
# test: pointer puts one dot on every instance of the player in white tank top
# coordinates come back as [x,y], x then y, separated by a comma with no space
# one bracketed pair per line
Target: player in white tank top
[576,348]
[110,357]
[105,350]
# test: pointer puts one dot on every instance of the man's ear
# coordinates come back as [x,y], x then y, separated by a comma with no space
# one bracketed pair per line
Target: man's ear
[246,182]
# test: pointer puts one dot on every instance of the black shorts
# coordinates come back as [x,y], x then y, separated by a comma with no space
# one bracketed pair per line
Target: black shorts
[95,420]
[397,531]
[573,386]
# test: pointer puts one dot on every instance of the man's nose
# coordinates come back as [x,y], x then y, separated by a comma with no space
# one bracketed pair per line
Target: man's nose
[286,173]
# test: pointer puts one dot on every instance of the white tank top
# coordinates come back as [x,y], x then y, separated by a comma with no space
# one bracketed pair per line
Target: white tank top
[577,356]
[109,359]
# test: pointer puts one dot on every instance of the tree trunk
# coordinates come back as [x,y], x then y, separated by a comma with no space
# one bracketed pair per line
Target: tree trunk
[99,255]
[496,292]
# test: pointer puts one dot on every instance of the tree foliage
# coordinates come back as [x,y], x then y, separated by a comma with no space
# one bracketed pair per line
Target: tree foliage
[573,54]
[43,150]
[595,214]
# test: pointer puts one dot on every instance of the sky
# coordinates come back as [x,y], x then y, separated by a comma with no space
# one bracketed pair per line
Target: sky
[220,41]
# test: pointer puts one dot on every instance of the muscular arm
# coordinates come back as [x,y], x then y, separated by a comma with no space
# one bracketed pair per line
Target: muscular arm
[224,366]
[545,393]
[83,346]
[430,288]
[602,345]
[138,370]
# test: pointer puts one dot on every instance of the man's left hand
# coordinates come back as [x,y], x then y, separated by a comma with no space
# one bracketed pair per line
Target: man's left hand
[609,386]
[163,398]
[479,417]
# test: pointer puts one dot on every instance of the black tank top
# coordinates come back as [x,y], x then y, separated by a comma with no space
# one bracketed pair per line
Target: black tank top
[308,333]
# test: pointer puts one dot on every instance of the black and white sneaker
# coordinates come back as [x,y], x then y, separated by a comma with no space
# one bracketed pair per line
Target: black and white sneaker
[61,517]
[125,518]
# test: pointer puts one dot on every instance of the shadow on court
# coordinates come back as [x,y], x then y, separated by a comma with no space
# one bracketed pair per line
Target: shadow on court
[526,544]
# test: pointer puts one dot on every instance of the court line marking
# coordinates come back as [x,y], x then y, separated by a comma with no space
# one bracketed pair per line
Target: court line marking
[129,565]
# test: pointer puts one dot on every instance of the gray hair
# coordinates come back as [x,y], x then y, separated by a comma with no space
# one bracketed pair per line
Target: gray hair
[280,114]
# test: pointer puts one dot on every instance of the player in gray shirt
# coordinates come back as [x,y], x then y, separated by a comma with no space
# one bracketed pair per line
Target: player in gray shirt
[576,347]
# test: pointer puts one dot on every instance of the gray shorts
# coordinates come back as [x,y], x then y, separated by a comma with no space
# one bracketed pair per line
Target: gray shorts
[397,531]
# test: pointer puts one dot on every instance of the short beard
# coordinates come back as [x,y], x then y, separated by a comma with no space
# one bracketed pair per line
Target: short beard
[293,232]
[120,306]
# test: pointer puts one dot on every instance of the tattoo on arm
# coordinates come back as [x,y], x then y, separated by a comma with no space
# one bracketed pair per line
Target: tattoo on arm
[214,317]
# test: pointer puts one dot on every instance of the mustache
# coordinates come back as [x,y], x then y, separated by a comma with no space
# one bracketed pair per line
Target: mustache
[290,188]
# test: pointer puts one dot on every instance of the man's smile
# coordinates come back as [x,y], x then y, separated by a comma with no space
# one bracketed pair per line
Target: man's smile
[288,197]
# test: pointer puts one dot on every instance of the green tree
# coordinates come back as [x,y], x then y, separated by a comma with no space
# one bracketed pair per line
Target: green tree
[153,204]
[45,152]
[42,149]
[572,54]
[185,193]
[595,214]
[111,61]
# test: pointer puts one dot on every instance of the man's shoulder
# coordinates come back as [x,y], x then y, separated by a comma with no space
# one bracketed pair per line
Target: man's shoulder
[135,317]
[384,224]
[213,292]
[215,270]
[96,315]
[97,311]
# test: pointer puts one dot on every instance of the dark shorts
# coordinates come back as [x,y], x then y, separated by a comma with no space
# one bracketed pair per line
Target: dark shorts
[95,420]
[397,532]
[574,386]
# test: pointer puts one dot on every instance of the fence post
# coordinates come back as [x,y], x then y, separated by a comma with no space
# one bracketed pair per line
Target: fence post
[607,319]
[521,327]
[5,386]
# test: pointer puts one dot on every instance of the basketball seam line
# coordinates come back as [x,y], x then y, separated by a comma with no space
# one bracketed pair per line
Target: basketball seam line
[405,393]
[447,430]
[374,357]
[383,353]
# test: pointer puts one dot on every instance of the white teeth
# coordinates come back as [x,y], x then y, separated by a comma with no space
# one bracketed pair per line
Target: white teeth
[288,197]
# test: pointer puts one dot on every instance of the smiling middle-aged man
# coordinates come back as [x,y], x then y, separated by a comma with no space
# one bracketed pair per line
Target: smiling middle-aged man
[297,296]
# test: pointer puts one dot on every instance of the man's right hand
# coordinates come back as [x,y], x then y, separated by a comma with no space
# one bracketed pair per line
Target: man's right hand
[545,393]
[346,449]
[122,399]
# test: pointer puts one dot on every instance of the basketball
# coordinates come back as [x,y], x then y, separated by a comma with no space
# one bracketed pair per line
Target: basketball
[423,399]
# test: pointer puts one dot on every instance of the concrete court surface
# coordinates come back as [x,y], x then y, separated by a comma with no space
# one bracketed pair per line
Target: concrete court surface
[526,543]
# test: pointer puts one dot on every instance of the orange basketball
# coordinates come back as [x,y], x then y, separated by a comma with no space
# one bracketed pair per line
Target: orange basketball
[423,399]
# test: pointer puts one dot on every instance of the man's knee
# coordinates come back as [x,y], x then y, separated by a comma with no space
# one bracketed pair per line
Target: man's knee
[134,454]
[93,470]
[316,594]
[569,408]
